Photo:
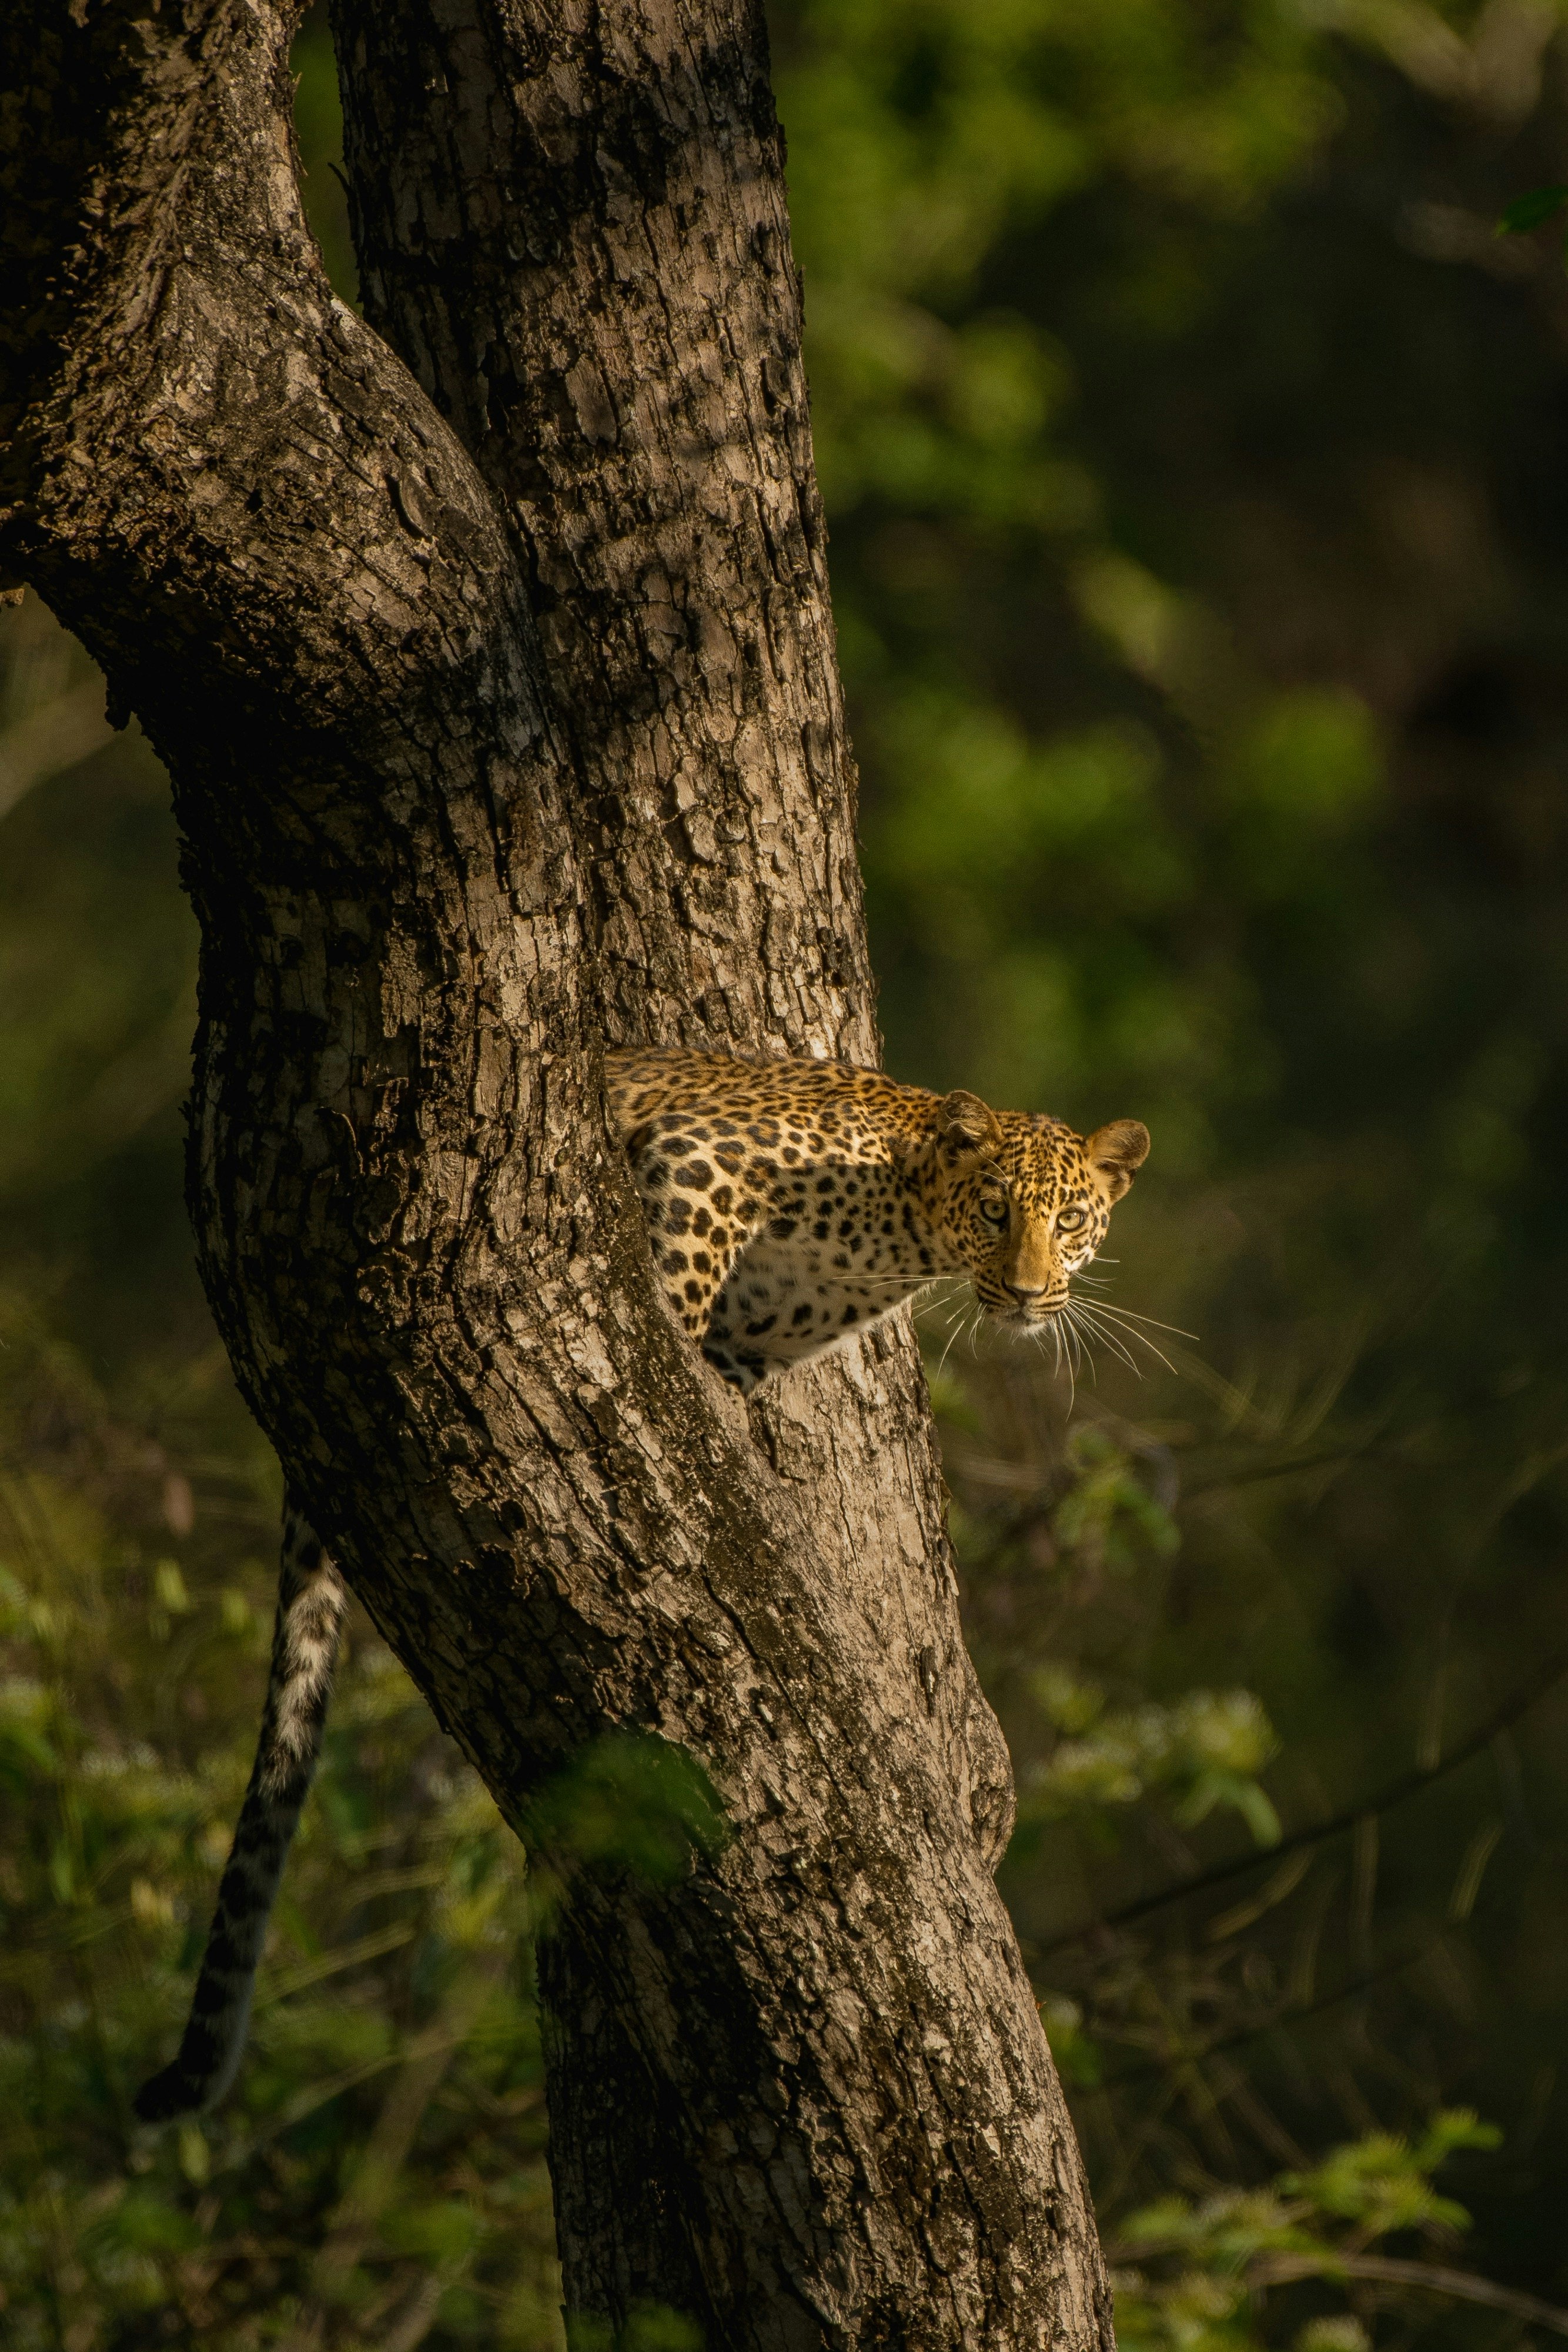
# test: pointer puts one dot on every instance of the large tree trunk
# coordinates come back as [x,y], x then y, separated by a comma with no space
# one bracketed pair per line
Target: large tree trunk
[498,692]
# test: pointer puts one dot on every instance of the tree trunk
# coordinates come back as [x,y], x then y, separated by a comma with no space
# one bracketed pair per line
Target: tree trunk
[488,647]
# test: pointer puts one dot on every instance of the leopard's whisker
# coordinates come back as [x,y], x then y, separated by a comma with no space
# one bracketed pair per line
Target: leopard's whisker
[1128,1315]
[1116,1347]
[947,1350]
[1082,1330]
[1101,1331]
[1141,1338]
[930,1306]
[916,1281]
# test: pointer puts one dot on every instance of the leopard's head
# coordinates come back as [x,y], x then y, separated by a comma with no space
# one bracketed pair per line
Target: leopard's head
[1022,1203]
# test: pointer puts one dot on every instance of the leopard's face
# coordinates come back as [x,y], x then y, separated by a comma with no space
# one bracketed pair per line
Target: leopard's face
[1024,1203]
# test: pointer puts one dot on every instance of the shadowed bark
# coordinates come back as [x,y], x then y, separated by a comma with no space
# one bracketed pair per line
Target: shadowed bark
[488,645]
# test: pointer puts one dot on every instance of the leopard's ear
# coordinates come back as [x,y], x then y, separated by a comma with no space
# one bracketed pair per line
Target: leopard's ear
[966,1129]
[1114,1153]
[959,1131]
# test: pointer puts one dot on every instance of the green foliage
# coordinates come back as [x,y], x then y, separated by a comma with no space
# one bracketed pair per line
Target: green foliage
[391,2007]
[1208,1750]
[632,1804]
[1027,880]
[1107,1516]
[1382,2183]
[1191,2271]
[651,2328]
[1532,211]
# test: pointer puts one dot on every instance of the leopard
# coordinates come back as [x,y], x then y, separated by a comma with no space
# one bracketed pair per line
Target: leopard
[791,1207]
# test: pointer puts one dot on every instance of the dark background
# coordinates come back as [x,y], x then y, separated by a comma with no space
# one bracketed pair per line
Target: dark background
[1197,460]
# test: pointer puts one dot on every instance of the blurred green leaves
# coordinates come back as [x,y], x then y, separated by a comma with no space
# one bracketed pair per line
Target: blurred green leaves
[1532,211]
[652,2327]
[24,1749]
[1208,1749]
[630,1803]
[1383,2183]
[384,2140]
[392,1983]
[1202,1752]
[1190,2272]
[1107,1518]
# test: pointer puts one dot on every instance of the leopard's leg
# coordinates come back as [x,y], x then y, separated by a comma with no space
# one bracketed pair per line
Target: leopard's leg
[704,1208]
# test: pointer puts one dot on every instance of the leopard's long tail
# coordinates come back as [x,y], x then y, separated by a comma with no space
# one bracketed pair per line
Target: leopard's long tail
[311,1598]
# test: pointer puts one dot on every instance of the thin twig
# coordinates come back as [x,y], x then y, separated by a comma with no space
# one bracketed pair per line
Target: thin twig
[1176,2060]
[1390,2270]
[1409,1784]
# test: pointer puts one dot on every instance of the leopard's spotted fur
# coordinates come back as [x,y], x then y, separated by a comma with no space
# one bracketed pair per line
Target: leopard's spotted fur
[792,1203]
[311,1599]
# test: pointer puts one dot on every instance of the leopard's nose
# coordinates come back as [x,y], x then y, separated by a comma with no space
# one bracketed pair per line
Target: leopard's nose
[1026,1294]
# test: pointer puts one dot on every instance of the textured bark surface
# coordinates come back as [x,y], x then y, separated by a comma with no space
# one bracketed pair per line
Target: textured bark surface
[584,255]
[498,692]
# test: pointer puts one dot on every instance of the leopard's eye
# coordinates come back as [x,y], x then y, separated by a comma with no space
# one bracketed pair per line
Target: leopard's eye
[1069,1220]
[994,1212]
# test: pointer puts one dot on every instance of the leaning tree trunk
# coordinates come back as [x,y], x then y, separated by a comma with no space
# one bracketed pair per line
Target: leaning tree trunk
[488,647]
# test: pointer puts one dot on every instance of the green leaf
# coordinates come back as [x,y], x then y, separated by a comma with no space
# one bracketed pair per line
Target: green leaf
[1077,2060]
[196,2156]
[1529,212]
[148,2223]
[632,1802]
[170,1586]
[1453,2127]
[24,1753]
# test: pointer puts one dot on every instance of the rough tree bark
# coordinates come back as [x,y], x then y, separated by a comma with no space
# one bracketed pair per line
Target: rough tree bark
[488,644]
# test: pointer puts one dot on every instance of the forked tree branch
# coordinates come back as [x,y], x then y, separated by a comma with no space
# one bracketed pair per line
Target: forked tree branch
[498,724]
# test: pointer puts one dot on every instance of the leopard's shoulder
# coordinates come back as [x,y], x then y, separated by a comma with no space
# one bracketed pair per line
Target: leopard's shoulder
[808,1102]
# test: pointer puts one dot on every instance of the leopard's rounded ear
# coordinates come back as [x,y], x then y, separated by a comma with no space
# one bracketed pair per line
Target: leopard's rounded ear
[1114,1150]
[966,1128]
